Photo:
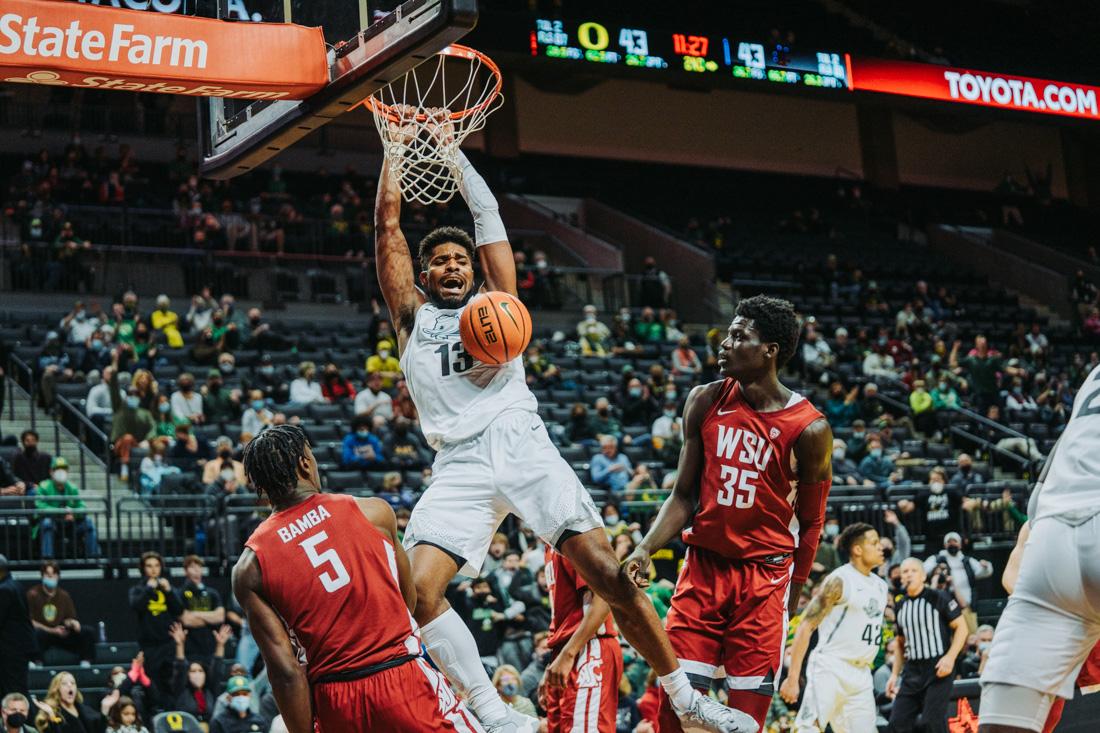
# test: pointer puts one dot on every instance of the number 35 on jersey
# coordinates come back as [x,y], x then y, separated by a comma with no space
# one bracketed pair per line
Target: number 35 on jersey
[751,453]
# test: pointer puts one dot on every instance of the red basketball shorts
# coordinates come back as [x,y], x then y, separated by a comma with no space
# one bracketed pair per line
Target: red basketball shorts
[728,624]
[589,703]
[1088,681]
[410,697]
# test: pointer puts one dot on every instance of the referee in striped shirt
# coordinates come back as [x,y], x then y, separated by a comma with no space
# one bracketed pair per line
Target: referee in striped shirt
[931,632]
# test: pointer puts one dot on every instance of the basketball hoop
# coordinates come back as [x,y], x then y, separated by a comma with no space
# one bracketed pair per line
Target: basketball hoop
[424,116]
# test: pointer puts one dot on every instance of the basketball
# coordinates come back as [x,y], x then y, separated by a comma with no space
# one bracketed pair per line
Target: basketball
[495,327]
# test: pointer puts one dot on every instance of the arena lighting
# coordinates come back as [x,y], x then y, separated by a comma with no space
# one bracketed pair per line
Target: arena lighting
[983,88]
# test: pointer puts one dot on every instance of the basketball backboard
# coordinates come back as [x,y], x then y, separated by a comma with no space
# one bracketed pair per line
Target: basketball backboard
[238,135]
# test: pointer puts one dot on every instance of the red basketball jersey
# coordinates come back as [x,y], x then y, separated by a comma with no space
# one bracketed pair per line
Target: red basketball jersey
[747,488]
[567,592]
[332,577]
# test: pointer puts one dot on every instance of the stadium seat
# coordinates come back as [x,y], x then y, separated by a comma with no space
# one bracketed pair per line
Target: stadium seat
[345,480]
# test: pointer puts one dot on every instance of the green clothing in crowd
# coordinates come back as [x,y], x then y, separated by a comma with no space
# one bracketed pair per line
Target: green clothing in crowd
[49,496]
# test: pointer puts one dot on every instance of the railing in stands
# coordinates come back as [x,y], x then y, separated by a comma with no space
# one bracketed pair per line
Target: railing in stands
[92,441]
[21,375]
[78,535]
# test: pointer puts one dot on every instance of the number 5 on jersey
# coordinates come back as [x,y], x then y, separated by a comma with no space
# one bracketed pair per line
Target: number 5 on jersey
[737,491]
[329,556]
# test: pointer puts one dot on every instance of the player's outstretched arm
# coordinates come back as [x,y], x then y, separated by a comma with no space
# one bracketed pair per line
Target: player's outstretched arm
[379,513]
[392,258]
[498,265]
[287,678]
[595,613]
[814,454]
[680,505]
[819,608]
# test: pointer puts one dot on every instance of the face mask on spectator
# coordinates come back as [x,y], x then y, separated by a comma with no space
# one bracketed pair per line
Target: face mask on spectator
[60,475]
[508,689]
[943,386]
[838,455]
[362,433]
[876,452]
[133,401]
[635,391]
[384,354]
[670,395]
[832,530]
[49,583]
[164,407]
[97,345]
[603,411]
[953,550]
[590,317]
[257,405]
[226,474]
[611,520]
[267,369]
[240,703]
[670,413]
[187,386]
[936,487]
[17,721]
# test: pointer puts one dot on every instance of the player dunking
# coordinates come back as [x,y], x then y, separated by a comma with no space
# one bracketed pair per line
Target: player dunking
[847,614]
[582,680]
[325,576]
[494,457]
[756,463]
[1052,620]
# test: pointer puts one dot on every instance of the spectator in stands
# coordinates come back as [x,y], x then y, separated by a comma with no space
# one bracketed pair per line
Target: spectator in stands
[384,363]
[55,494]
[940,507]
[64,710]
[188,452]
[603,422]
[30,465]
[10,485]
[981,366]
[655,288]
[258,334]
[642,486]
[541,372]
[15,709]
[403,404]
[203,611]
[361,448]
[373,400]
[404,447]
[219,403]
[155,466]
[1020,401]
[1023,446]
[202,310]
[80,323]
[53,615]
[876,466]
[157,607]
[166,321]
[844,350]
[870,408]
[483,613]
[16,633]
[147,389]
[239,718]
[131,424]
[685,362]
[841,408]
[845,471]
[648,329]
[96,354]
[665,425]
[305,390]
[223,466]
[507,681]
[962,571]
[639,407]
[257,416]
[1037,342]
[923,408]
[611,469]
[817,357]
[123,717]
[592,335]
[966,473]
[196,682]
[878,364]
[187,401]
[98,401]
[580,428]
[944,396]
[335,387]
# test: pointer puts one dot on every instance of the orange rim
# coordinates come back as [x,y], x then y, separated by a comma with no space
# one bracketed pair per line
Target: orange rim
[457,51]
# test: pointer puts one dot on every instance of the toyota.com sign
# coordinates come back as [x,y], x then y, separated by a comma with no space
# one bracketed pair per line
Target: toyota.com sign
[989,89]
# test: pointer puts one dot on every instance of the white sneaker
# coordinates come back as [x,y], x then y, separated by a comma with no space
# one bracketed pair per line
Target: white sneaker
[516,722]
[710,715]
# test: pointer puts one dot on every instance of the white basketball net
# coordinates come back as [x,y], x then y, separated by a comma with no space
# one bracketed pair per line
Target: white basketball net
[424,116]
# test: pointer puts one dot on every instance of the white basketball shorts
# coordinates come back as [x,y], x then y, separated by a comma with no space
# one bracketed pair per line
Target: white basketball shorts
[511,467]
[839,694]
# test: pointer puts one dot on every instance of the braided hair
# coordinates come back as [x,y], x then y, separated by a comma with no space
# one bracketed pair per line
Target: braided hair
[271,461]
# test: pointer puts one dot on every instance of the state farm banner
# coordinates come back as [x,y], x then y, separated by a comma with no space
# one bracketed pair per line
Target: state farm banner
[986,88]
[68,44]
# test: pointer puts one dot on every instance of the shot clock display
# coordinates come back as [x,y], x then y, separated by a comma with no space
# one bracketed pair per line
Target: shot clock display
[693,53]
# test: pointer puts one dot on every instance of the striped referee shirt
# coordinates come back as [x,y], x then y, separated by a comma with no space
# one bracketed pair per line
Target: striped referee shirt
[925,622]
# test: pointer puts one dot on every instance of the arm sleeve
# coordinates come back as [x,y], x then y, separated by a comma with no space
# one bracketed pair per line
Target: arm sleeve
[903,544]
[811,516]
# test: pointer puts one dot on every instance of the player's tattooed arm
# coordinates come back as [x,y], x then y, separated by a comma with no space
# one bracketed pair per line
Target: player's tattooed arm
[392,258]
[811,618]
[287,678]
[680,505]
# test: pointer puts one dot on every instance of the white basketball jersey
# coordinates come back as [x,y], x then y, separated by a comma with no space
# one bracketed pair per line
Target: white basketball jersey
[852,631]
[1073,482]
[456,395]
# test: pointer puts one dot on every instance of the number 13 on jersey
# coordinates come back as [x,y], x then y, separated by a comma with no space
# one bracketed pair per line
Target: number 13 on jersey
[738,490]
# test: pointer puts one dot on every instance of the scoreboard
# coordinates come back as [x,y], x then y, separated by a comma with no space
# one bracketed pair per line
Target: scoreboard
[594,42]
